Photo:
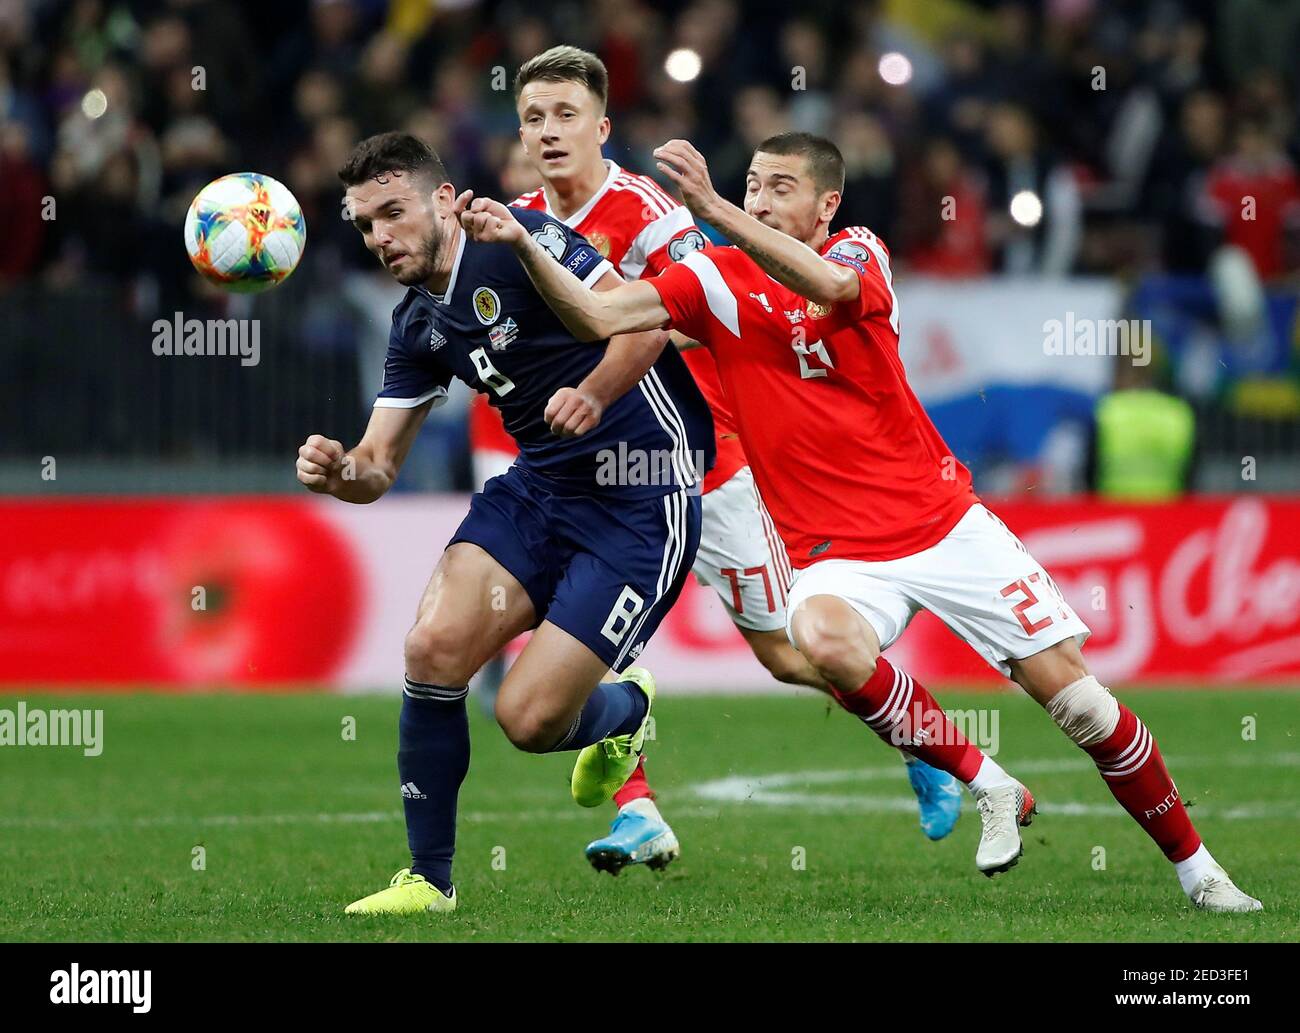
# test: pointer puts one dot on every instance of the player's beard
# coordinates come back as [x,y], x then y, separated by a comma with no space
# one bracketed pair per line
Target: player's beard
[418,268]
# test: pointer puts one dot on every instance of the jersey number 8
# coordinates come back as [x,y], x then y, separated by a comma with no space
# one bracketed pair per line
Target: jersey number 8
[489,374]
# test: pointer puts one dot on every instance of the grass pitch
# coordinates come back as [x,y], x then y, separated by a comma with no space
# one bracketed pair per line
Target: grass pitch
[235,817]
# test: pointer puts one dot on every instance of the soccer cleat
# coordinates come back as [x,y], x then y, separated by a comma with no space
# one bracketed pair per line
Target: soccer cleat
[603,767]
[938,795]
[634,838]
[407,894]
[1003,809]
[1216,892]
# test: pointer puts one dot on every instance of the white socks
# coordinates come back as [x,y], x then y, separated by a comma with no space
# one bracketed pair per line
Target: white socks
[1197,867]
[989,776]
[643,806]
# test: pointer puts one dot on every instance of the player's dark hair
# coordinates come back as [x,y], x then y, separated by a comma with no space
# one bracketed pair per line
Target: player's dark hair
[565,64]
[392,152]
[825,161]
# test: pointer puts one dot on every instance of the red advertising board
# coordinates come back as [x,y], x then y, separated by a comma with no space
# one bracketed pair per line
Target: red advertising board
[193,593]
[1204,590]
[181,592]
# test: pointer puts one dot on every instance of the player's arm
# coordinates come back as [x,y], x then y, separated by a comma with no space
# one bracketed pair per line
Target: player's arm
[588,315]
[364,473]
[576,410]
[788,261]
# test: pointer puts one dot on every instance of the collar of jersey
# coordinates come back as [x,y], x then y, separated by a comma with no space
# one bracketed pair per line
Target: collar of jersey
[577,217]
[442,299]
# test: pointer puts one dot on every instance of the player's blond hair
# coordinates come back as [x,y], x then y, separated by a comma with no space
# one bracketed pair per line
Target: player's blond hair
[566,64]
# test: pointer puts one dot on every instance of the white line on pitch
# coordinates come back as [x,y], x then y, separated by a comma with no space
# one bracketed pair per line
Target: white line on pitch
[775,790]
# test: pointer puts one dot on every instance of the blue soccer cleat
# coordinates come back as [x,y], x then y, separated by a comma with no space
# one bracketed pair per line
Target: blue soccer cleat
[938,795]
[639,835]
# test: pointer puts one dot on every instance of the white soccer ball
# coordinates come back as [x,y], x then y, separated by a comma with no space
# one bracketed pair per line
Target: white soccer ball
[245,232]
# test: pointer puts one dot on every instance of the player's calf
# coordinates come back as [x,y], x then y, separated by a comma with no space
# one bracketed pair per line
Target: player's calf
[553,699]
[781,660]
[1129,761]
[530,725]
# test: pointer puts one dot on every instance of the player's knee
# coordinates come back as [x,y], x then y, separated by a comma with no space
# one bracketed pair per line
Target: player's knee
[834,650]
[438,653]
[528,728]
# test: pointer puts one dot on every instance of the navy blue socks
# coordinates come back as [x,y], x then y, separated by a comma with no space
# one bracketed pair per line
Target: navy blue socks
[432,760]
[613,708]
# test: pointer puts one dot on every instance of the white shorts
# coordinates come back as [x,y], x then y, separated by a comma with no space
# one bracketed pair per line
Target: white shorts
[740,557]
[979,580]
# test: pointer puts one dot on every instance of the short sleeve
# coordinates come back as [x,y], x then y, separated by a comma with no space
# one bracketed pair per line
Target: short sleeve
[682,292]
[860,250]
[666,240]
[409,382]
[567,246]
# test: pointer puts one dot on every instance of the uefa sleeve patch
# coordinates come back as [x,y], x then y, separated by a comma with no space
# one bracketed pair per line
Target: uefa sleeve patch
[850,253]
[680,247]
[552,240]
[861,267]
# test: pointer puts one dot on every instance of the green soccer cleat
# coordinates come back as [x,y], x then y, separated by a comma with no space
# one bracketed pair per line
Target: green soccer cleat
[603,767]
[407,894]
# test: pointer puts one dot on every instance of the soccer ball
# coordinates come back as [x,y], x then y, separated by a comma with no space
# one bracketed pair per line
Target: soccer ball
[245,232]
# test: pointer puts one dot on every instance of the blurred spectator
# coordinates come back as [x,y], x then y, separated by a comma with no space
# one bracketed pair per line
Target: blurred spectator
[1141,173]
[943,223]
[1256,197]
[517,173]
[870,176]
[1144,440]
[1041,234]
[1176,194]
[22,218]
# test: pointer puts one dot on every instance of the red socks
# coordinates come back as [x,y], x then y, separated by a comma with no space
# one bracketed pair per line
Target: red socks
[901,711]
[1129,760]
[635,788]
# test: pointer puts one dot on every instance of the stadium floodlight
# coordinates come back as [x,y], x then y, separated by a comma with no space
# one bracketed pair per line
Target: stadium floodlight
[94,103]
[895,68]
[1026,208]
[683,64]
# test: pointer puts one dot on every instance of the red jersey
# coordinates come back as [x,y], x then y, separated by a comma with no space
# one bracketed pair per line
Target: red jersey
[1276,194]
[642,231]
[846,460]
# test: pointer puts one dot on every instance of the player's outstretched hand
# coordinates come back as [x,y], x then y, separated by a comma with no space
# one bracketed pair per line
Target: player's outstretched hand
[488,221]
[571,413]
[320,464]
[685,166]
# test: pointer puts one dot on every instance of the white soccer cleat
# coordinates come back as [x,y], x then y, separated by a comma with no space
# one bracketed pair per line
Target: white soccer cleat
[1002,809]
[1216,892]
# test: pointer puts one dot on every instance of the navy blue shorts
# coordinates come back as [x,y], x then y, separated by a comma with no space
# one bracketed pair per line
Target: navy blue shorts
[605,570]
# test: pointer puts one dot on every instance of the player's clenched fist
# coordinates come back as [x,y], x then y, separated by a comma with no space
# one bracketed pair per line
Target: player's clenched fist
[320,464]
[571,413]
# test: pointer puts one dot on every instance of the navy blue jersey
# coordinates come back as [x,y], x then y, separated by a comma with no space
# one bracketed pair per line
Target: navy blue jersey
[495,332]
